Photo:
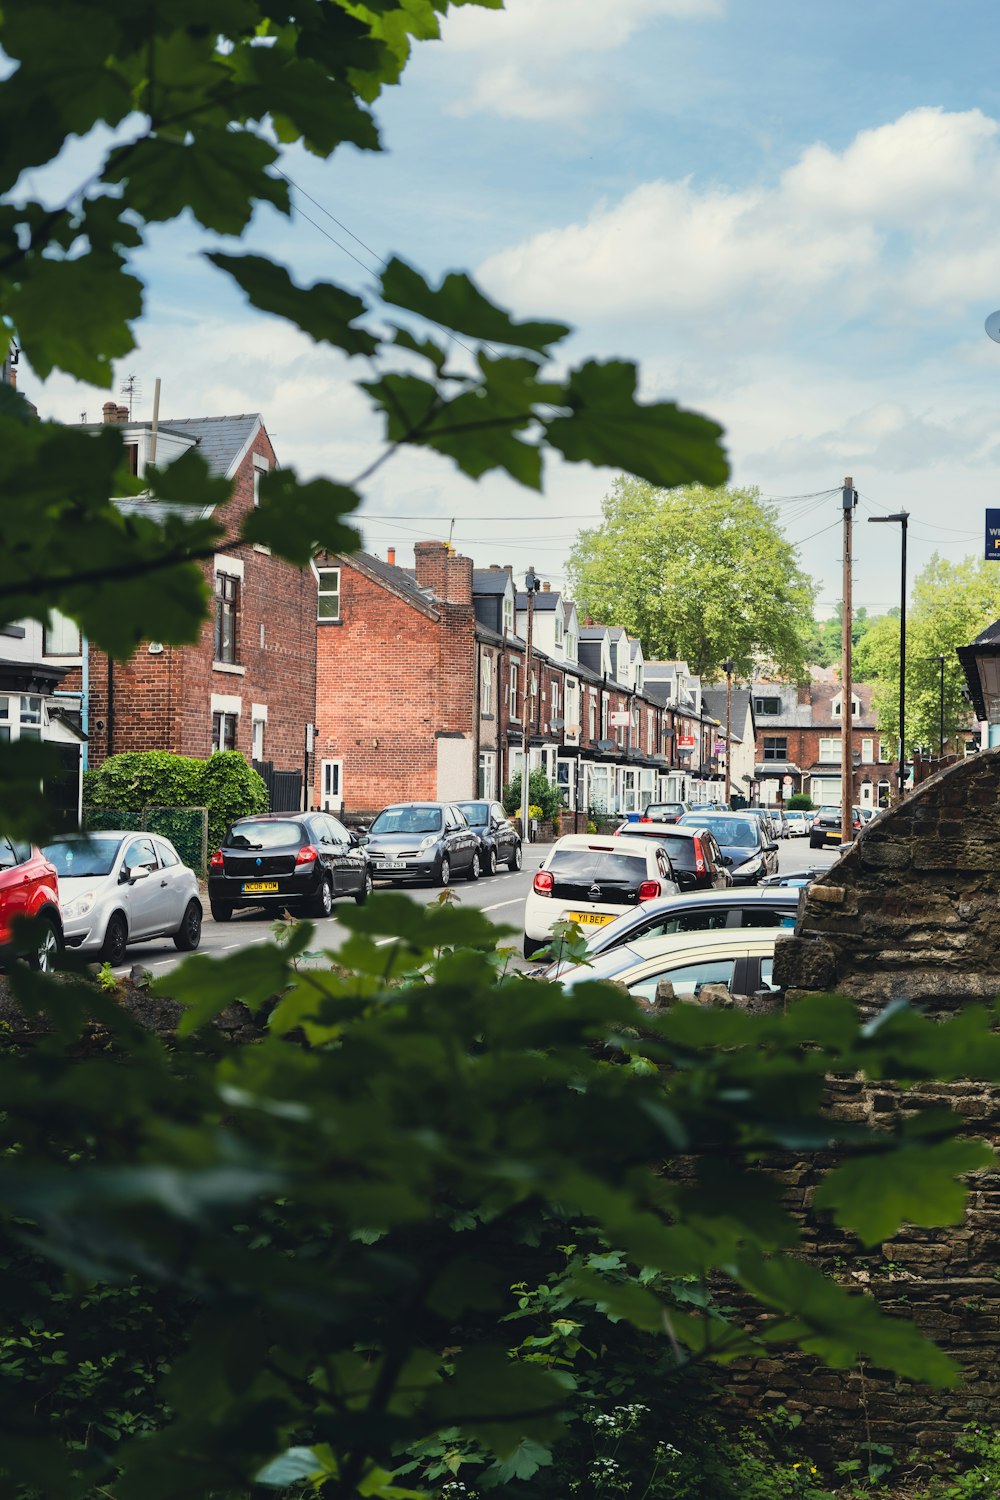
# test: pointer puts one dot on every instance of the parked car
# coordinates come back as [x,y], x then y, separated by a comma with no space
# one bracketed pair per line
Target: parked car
[693,911]
[120,887]
[590,880]
[826,827]
[799,822]
[866,815]
[664,812]
[743,842]
[765,816]
[499,839]
[695,857]
[29,888]
[298,860]
[796,878]
[423,841]
[742,959]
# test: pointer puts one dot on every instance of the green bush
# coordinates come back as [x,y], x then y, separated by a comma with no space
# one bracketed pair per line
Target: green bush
[542,792]
[800,799]
[164,793]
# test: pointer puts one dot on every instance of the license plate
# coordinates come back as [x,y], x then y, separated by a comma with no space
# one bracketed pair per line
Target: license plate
[258,887]
[590,918]
[391,864]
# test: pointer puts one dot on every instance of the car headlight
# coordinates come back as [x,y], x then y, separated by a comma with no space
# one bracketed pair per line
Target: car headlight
[427,843]
[79,906]
[752,864]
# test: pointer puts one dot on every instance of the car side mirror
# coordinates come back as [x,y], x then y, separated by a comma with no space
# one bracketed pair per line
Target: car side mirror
[727,859]
[141,872]
[770,848]
[124,875]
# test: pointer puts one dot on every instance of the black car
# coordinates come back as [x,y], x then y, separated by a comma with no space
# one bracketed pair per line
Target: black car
[300,860]
[745,846]
[694,853]
[423,841]
[692,911]
[826,827]
[500,840]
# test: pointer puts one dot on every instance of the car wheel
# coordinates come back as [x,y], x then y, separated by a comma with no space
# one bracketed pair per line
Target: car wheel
[514,863]
[534,945]
[188,935]
[322,903]
[491,862]
[475,869]
[115,940]
[444,871]
[222,911]
[49,947]
[367,887]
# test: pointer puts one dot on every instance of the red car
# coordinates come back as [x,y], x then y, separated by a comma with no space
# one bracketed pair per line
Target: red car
[29,887]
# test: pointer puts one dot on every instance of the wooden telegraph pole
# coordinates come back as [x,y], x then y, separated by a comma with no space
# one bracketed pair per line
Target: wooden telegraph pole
[849,501]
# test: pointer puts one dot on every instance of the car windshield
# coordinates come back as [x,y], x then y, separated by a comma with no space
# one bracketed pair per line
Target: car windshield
[740,833]
[595,865]
[477,813]
[76,858]
[407,820]
[264,835]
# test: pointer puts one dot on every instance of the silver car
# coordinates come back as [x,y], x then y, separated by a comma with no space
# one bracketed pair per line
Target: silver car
[124,887]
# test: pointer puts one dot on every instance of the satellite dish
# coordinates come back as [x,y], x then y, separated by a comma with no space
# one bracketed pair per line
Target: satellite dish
[993,326]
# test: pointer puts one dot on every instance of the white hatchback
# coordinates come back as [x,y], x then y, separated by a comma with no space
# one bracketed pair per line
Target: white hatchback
[590,879]
[123,887]
[739,958]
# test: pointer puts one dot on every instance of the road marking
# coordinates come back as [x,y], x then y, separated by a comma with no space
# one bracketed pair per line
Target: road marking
[382,942]
[516,902]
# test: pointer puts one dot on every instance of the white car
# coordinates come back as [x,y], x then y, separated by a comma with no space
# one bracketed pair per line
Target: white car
[123,887]
[741,958]
[592,879]
[799,822]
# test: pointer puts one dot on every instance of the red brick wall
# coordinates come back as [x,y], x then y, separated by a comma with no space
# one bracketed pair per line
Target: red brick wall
[163,702]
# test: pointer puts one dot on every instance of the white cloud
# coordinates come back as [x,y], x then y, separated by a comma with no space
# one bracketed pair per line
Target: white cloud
[520,52]
[905,219]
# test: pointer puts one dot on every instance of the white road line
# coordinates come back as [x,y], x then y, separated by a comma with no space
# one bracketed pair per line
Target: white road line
[516,902]
[383,942]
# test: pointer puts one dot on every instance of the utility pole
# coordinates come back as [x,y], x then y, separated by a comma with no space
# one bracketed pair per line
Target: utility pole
[729,667]
[941,710]
[531,587]
[849,500]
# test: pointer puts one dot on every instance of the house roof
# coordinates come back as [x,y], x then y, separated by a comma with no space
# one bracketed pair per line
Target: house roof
[222,441]
[400,580]
[544,600]
[593,632]
[714,701]
[490,580]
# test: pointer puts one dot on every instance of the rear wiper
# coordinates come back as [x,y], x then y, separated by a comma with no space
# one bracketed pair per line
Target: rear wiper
[239,842]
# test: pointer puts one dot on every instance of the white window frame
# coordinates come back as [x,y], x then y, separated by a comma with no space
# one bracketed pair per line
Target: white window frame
[225,728]
[485,683]
[883,754]
[331,781]
[487,774]
[60,635]
[257,728]
[508,615]
[260,466]
[867,750]
[828,757]
[560,631]
[514,700]
[553,700]
[327,593]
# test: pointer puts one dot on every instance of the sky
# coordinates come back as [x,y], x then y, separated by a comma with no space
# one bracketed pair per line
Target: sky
[787,213]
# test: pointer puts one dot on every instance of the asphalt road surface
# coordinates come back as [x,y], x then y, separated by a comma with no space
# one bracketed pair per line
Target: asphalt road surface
[501,896]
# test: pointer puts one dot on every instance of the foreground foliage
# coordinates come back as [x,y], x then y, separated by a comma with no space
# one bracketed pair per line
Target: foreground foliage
[322,1229]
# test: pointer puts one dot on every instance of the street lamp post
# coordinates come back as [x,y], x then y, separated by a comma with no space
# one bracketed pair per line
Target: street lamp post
[900,518]
[941,709]
[729,667]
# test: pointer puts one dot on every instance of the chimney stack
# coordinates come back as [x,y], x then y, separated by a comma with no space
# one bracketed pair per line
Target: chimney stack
[546,588]
[110,410]
[123,414]
[390,556]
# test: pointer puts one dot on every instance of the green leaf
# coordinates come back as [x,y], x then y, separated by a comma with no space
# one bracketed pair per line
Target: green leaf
[609,428]
[252,976]
[325,311]
[873,1195]
[297,518]
[26,810]
[526,1459]
[458,304]
[74,315]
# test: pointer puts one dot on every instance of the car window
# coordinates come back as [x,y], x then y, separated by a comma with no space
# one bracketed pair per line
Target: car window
[476,813]
[250,834]
[83,856]
[140,852]
[601,866]
[741,832]
[766,973]
[498,813]
[701,919]
[680,851]
[167,856]
[766,916]
[409,819]
[8,857]
[687,979]
[338,832]
[461,821]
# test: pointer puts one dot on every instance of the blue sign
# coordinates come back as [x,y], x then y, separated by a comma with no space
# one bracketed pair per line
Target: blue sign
[993,534]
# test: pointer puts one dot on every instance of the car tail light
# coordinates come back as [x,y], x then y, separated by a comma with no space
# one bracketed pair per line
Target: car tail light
[700,865]
[306,855]
[649,890]
[217,860]
[543,883]
[645,820]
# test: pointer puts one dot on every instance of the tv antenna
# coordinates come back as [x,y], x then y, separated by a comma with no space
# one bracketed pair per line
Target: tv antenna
[132,388]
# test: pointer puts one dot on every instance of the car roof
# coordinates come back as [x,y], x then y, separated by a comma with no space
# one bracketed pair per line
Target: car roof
[758,941]
[669,830]
[275,817]
[734,895]
[601,843]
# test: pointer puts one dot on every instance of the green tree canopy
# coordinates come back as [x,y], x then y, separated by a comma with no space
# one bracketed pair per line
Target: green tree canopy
[950,604]
[697,575]
[824,644]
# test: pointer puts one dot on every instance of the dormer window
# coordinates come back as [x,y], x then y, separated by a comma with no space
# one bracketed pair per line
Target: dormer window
[559,629]
[838,707]
[508,615]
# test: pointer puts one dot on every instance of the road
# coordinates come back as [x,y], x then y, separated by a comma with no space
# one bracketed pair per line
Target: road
[501,896]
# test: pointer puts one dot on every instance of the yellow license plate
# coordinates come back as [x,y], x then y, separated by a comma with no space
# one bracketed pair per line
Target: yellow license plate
[258,887]
[590,918]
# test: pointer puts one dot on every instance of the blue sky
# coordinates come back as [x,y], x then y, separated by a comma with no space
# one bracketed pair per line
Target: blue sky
[788,213]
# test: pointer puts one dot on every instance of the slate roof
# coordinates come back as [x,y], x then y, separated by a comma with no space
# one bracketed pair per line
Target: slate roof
[714,702]
[592,632]
[543,600]
[220,440]
[397,578]
[490,580]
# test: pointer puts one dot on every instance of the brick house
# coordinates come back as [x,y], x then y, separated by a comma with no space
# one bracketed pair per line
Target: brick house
[799,739]
[249,682]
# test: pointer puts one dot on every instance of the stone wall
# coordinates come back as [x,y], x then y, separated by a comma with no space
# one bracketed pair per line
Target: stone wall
[911,911]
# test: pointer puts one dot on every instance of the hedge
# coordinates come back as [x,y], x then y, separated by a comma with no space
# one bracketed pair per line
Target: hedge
[138,780]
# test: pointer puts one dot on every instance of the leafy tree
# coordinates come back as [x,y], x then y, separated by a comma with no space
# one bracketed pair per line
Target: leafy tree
[698,575]
[825,641]
[949,605]
[542,793]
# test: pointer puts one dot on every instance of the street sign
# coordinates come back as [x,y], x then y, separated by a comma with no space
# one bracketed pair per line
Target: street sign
[787,783]
[619,720]
[993,535]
